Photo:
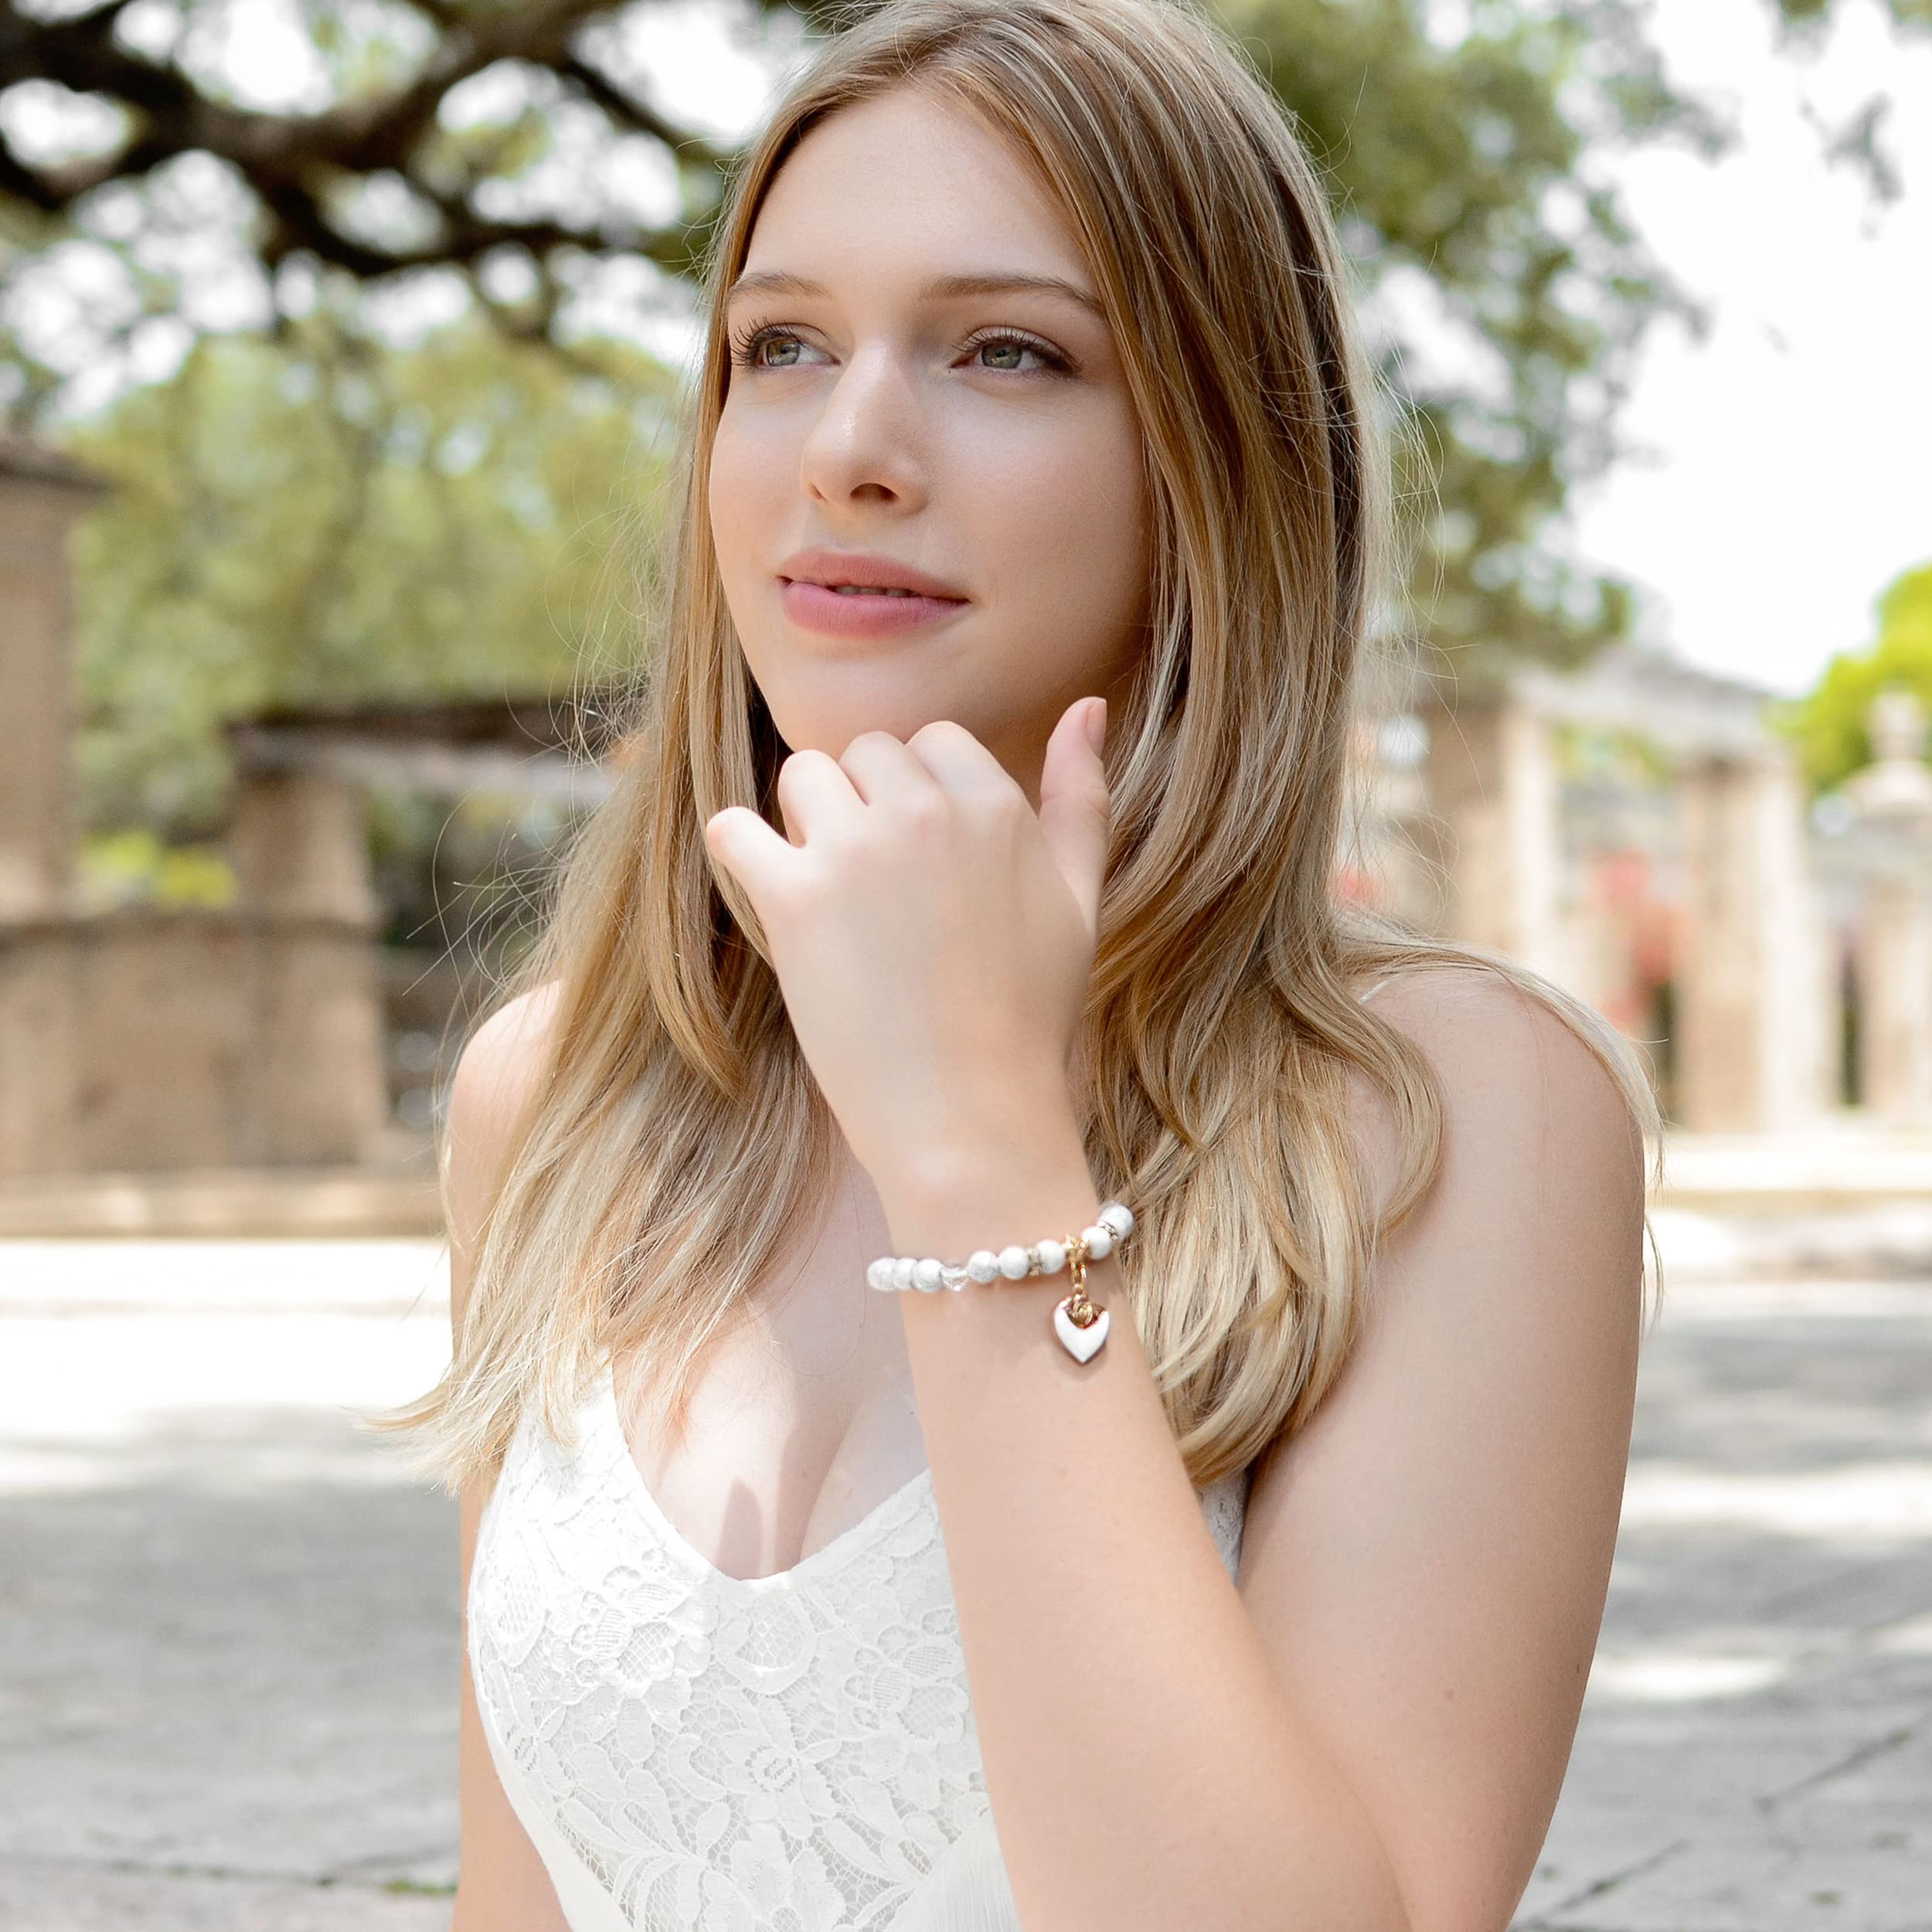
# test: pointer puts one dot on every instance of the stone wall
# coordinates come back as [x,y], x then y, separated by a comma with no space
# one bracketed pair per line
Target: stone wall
[193,1038]
[40,496]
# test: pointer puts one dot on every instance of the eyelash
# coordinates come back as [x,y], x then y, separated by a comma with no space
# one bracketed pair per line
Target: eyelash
[745,345]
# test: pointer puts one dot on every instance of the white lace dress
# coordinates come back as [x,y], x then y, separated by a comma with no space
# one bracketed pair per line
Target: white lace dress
[692,1752]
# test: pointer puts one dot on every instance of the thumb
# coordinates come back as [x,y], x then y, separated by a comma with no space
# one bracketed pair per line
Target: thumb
[1075,810]
[748,849]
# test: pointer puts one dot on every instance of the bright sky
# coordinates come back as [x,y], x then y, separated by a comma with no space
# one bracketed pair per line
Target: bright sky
[1793,481]
[1789,477]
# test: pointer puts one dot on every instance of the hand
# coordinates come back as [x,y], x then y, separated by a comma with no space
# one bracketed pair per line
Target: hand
[932,936]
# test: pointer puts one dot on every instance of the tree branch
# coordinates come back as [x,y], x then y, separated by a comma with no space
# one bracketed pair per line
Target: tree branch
[640,116]
[288,160]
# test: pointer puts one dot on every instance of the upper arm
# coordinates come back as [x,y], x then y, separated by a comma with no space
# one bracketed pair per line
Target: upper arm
[1427,1560]
[502,1884]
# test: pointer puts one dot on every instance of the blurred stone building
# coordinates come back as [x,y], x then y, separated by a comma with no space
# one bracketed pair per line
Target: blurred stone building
[252,1035]
[1634,831]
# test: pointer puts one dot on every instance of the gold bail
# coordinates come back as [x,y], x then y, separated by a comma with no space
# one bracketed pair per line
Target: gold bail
[1080,1311]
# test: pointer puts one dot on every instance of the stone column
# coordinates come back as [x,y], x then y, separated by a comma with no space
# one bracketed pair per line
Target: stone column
[1893,959]
[1752,1038]
[299,843]
[1492,837]
[41,495]
[1893,964]
[317,1091]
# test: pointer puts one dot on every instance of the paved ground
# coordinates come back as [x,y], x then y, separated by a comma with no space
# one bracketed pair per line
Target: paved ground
[228,1649]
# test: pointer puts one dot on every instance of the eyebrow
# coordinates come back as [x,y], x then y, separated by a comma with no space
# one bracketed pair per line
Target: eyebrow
[942,288]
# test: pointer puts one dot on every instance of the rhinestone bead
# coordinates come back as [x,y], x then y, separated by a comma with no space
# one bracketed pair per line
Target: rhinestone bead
[983,1265]
[1015,1262]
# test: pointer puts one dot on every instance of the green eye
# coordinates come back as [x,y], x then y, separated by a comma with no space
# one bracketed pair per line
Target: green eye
[745,348]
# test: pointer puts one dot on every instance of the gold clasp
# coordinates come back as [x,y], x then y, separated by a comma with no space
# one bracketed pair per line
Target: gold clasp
[1079,1311]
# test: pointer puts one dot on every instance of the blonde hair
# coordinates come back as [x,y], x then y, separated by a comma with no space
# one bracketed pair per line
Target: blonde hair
[674,1141]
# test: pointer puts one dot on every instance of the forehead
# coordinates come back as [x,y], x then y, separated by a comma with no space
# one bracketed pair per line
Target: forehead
[905,184]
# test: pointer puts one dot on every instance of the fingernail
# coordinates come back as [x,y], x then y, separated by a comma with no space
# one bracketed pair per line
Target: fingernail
[1096,724]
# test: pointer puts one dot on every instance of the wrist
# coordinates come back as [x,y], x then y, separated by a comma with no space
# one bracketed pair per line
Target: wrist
[955,1201]
[968,1146]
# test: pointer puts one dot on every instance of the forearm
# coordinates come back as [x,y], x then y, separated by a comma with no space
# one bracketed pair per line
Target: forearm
[1146,1767]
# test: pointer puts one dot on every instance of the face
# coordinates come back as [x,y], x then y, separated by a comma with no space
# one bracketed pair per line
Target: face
[984,439]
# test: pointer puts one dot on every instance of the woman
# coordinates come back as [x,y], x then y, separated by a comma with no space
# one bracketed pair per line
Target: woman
[1276,1535]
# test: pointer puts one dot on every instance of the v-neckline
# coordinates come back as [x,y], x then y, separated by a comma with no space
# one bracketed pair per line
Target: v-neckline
[884,1515]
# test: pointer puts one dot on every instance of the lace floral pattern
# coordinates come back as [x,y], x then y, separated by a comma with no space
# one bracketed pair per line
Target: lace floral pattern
[791,1754]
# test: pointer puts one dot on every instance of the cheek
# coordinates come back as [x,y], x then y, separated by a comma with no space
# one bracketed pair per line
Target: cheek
[1070,516]
[742,527]
[745,491]
[725,495]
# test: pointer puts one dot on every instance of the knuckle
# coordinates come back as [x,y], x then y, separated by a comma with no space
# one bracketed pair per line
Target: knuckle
[999,807]
[859,749]
[927,812]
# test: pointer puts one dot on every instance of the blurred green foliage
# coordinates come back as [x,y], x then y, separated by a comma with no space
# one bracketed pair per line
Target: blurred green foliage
[1828,723]
[321,517]
[307,510]
[136,867]
[1469,180]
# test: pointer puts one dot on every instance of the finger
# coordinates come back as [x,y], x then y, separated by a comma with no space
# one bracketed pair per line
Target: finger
[1075,809]
[884,771]
[748,850]
[815,793]
[958,761]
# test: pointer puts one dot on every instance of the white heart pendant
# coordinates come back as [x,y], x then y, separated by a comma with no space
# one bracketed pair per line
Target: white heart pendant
[1082,1344]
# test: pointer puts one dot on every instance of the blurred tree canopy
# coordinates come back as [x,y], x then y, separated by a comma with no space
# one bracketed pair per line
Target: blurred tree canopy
[1829,723]
[272,283]
[315,516]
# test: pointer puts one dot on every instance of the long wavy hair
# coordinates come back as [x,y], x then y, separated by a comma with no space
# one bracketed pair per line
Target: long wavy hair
[674,1143]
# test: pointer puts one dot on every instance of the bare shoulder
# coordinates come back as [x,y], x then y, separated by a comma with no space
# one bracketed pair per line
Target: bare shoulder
[502,1055]
[495,1076]
[1426,1560]
[1520,1088]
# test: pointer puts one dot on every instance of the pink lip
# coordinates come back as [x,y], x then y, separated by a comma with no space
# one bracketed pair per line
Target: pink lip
[813,607]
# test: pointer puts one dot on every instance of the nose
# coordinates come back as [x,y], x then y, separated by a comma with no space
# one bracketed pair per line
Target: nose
[869,439]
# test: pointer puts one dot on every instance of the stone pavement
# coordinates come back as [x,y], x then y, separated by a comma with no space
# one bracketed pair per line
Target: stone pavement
[227,1627]
[1755,1749]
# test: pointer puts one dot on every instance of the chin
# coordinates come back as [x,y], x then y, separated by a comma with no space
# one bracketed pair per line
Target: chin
[830,733]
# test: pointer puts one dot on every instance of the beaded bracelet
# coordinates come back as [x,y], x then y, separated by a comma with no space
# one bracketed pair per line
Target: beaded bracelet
[1080,1322]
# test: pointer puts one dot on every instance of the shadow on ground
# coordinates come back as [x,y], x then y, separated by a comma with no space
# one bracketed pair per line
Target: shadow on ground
[229,1649]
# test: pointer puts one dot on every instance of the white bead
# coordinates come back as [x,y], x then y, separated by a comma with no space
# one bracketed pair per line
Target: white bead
[1119,1216]
[983,1264]
[902,1267]
[1013,1262]
[879,1275]
[1052,1255]
[1100,1241]
[927,1274]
